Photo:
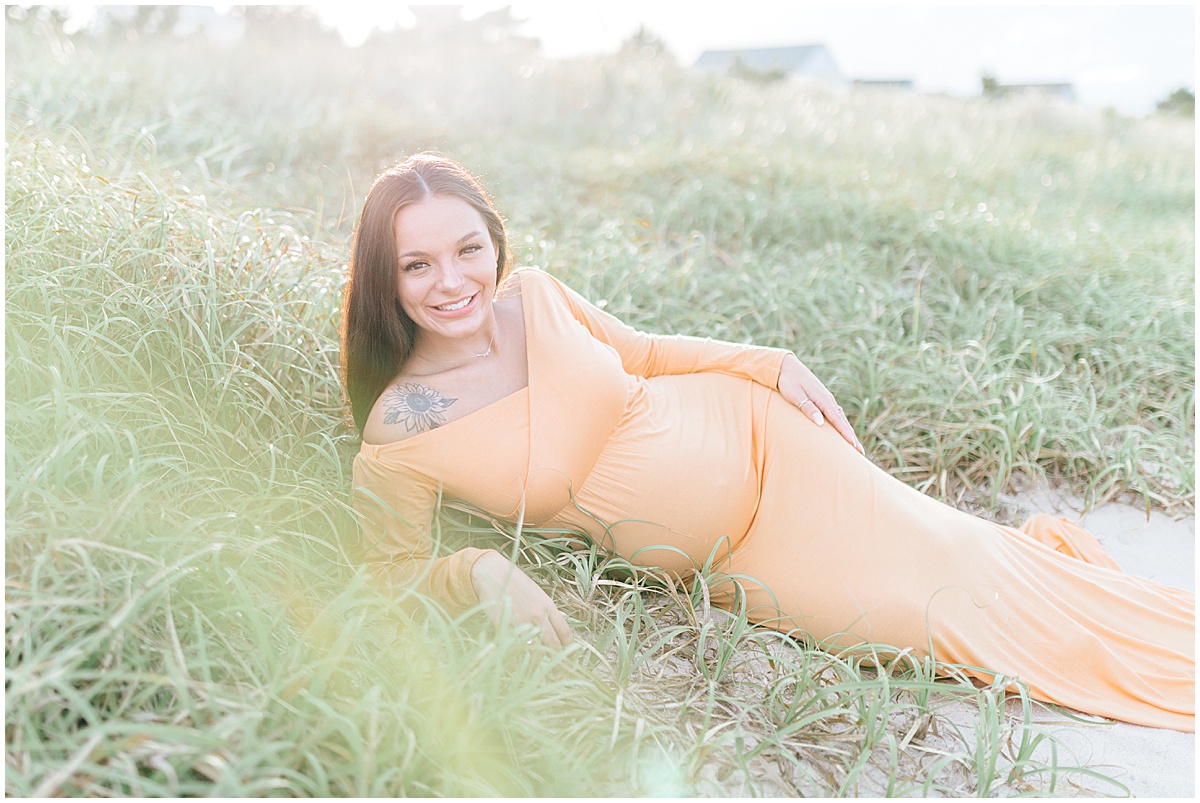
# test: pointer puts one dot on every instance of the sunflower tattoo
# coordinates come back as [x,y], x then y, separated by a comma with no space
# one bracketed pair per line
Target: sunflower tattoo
[419,407]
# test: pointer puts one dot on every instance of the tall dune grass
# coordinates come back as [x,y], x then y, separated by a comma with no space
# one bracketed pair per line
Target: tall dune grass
[995,292]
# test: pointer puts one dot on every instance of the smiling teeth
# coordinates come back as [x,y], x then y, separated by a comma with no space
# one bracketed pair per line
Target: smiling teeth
[452,307]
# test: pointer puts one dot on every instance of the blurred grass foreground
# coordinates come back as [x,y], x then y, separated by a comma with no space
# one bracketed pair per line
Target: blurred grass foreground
[998,292]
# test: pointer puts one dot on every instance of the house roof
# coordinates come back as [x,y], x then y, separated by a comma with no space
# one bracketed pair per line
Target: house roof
[792,59]
[1064,91]
[887,83]
[1048,87]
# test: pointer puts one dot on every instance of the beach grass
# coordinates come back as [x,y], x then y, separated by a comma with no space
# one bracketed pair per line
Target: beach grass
[998,293]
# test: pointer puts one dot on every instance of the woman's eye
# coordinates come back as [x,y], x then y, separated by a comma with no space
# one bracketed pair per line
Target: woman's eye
[472,248]
[415,265]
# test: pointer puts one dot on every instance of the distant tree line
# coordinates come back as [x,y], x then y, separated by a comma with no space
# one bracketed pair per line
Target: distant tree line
[1182,102]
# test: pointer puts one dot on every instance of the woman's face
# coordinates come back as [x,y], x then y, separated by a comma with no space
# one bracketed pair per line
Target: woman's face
[446,267]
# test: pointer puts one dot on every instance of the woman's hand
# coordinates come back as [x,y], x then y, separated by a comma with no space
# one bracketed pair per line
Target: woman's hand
[501,585]
[801,387]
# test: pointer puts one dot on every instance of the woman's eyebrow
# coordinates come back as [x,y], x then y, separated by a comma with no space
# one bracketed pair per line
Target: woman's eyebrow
[461,240]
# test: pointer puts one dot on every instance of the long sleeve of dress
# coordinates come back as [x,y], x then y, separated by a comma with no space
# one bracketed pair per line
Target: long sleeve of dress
[655,355]
[396,507]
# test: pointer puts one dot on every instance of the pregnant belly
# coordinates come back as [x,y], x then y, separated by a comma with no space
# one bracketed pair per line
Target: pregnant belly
[677,483]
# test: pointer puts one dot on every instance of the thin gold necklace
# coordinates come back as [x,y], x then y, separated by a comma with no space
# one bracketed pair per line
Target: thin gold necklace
[487,353]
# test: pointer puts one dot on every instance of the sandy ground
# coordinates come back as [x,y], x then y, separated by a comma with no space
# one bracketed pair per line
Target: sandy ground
[1151,762]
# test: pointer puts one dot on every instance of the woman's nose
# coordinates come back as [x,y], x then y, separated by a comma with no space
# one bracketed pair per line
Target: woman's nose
[452,275]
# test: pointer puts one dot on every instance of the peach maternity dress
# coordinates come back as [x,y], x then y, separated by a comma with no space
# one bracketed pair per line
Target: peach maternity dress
[678,452]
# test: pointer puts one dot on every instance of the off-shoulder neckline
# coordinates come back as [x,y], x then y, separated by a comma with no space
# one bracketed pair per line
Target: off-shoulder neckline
[421,437]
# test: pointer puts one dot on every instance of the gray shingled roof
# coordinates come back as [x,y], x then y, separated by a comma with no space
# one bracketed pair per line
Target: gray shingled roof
[791,59]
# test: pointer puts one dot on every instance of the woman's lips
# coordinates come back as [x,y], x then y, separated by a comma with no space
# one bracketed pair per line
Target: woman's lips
[453,313]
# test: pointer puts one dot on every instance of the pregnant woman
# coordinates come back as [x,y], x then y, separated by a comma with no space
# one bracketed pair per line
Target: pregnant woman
[513,393]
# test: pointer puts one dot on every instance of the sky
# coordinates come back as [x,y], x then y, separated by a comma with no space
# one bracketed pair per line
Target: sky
[1125,56]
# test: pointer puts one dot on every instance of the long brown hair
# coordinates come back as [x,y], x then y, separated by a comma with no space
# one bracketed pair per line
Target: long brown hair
[377,336]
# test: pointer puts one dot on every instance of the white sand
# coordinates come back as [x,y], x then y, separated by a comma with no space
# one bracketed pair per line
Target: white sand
[1151,762]
[1157,546]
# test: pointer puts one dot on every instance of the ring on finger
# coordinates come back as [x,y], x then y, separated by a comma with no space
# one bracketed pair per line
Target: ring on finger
[803,401]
